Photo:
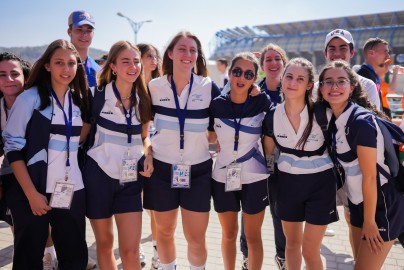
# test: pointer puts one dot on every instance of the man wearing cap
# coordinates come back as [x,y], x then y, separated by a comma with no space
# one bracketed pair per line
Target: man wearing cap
[339,45]
[376,52]
[81,32]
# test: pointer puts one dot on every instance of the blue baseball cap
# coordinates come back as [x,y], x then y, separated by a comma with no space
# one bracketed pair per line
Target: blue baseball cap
[81,17]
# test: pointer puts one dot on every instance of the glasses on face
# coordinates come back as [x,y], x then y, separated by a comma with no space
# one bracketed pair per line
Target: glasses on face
[248,74]
[79,31]
[330,84]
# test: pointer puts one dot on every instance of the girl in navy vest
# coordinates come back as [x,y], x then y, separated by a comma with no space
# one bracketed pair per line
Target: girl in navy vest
[41,142]
[183,165]
[120,154]
[376,208]
[240,174]
[306,190]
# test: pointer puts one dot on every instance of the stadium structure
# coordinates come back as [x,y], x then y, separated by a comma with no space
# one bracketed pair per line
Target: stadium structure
[306,38]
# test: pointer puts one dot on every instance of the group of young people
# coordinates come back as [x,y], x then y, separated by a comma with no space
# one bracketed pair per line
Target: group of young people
[272,152]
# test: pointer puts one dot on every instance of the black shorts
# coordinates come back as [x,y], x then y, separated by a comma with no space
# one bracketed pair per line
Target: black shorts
[5,213]
[253,197]
[106,196]
[307,197]
[158,194]
[389,212]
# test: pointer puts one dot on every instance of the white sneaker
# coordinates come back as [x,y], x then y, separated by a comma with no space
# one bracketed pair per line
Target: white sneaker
[244,263]
[155,264]
[91,264]
[280,262]
[142,256]
[329,232]
[49,263]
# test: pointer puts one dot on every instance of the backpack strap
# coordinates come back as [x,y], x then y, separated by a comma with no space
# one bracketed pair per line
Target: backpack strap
[320,112]
[296,152]
[97,104]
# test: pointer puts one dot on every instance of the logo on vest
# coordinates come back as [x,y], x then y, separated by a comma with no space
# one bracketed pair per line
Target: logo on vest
[196,97]
[165,99]
[108,112]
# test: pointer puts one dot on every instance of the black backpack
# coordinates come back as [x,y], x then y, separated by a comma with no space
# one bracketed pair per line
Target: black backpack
[393,137]
[97,103]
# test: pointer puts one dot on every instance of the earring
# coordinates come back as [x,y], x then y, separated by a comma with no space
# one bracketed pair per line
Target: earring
[114,73]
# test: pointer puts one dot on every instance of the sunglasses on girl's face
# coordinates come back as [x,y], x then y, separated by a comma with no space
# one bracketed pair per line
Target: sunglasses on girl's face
[248,74]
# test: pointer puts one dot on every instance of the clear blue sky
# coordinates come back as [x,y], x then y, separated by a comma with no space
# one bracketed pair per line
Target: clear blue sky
[39,22]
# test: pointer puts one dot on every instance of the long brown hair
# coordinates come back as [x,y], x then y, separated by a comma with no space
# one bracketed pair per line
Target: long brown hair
[106,76]
[358,96]
[144,48]
[41,78]
[167,66]
[308,66]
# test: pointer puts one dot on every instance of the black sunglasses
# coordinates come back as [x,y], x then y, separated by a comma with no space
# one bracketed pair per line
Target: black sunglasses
[248,74]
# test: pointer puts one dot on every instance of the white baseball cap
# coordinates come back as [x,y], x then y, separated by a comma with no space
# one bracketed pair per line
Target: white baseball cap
[340,33]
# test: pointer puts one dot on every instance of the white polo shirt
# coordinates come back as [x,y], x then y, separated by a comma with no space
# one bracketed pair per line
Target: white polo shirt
[110,146]
[166,140]
[287,137]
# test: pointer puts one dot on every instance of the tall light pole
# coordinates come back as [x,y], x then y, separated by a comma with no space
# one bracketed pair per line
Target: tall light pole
[135,25]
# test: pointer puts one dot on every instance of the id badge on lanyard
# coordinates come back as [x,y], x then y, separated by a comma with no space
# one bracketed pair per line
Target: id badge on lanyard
[128,170]
[181,176]
[233,177]
[271,163]
[64,189]
[181,173]
[233,174]
[272,160]
[62,195]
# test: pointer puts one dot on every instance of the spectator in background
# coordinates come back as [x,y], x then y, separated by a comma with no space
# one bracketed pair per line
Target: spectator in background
[388,86]
[101,61]
[151,62]
[376,52]
[221,65]
[81,31]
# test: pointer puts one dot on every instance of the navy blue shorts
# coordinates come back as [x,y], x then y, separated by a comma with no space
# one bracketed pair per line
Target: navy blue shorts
[253,197]
[5,213]
[159,196]
[389,212]
[106,196]
[307,197]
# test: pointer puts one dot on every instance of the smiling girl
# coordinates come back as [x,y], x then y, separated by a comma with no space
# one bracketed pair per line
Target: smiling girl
[376,207]
[240,174]
[306,193]
[41,145]
[120,154]
[183,165]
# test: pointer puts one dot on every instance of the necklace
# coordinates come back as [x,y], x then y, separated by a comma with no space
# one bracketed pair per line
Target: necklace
[126,98]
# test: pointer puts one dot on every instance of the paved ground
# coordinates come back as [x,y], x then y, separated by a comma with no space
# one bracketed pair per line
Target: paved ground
[336,251]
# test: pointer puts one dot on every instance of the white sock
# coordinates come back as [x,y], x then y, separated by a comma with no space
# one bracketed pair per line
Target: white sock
[51,251]
[171,266]
[193,267]
[155,255]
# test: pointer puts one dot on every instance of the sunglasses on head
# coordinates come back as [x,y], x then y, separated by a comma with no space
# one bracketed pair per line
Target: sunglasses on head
[248,74]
